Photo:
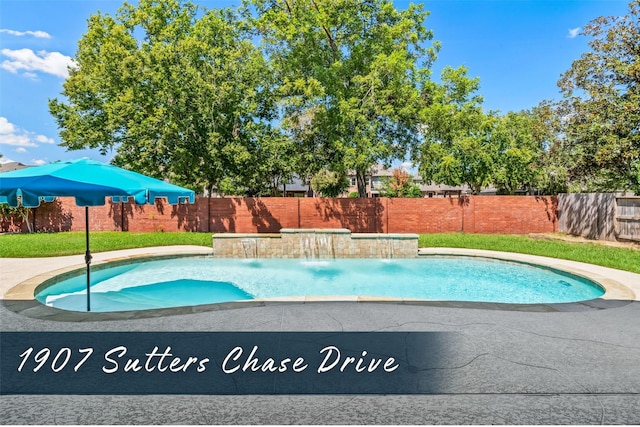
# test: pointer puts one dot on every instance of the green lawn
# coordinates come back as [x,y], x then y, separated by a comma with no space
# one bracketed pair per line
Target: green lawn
[593,253]
[73,243]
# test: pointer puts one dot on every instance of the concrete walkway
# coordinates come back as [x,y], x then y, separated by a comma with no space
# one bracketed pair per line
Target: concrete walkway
[16,270]
[575,364]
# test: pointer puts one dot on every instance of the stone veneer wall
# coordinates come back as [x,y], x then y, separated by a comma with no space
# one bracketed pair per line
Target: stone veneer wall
[315,244]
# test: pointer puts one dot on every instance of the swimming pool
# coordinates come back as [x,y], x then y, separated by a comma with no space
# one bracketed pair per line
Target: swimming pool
[195,281]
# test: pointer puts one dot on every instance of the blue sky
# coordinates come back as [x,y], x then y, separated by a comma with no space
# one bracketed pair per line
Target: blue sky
[518,49]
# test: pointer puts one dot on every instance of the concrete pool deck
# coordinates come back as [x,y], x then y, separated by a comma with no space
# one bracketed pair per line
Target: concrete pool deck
[579,365]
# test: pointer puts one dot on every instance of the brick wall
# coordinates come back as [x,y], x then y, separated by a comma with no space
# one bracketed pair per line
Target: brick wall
[441,215]
[250,215]
[517,214]
[358,215]
[473,214]
[13,224]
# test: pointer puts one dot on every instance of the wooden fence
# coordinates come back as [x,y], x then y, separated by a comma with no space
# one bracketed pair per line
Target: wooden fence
[600,216]
[628,218]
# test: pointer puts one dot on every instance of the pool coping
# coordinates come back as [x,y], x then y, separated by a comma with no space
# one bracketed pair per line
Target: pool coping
[20,298]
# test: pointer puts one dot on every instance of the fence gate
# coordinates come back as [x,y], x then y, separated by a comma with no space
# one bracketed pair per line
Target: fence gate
[628,218]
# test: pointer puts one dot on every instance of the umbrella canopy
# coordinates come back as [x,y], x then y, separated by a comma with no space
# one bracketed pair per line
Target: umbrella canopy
[90,182]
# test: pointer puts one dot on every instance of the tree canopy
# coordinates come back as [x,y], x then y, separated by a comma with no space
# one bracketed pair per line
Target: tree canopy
[351,74]
[599,122]
[463,144]
[241,100]
[455,150]
[176,95]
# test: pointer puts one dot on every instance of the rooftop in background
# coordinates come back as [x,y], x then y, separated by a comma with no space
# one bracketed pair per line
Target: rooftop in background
[378,173]
[12,166]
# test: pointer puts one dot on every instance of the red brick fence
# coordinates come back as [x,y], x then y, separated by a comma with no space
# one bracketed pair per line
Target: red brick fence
[472,214]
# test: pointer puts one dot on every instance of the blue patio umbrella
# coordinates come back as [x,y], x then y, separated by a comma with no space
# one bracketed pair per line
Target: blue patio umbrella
[90,182]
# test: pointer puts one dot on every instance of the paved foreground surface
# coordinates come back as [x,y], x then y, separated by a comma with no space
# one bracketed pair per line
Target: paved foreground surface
[511,367]
[566,364]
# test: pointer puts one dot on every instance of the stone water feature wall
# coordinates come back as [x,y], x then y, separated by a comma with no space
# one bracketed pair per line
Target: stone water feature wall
[314,244]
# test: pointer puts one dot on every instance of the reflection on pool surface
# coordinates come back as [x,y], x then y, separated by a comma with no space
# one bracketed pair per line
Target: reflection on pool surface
[194,281]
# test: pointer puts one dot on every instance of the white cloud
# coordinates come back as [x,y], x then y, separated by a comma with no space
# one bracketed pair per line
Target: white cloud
[45,140]
[5,160]
[573,33]
[21,150]
[10,134]
[16,140]
[38,34]
[38,162]
[30,75]
[6,126]
[53,63]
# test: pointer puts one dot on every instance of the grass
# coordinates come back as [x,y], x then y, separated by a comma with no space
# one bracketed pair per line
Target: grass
[73,243]
[592,253]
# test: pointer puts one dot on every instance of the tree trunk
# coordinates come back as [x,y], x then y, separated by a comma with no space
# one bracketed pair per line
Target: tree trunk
[25,217]
[361,180]
[474,188]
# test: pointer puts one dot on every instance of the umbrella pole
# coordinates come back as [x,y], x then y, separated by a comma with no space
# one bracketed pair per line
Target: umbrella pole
[87,258]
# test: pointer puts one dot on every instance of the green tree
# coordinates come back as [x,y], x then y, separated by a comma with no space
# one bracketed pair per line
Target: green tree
[518,150]
[351,74]
[464,145]
[600,115]
[554,162]
[177,95]
[457,147]
[329,183]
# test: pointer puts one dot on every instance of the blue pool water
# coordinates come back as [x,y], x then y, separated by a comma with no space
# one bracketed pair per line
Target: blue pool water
[194,281]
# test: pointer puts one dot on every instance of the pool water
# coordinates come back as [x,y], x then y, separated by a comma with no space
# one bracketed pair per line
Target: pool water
[194,281]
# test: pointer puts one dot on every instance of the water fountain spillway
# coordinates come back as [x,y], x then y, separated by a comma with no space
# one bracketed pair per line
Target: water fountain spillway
[315,243]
